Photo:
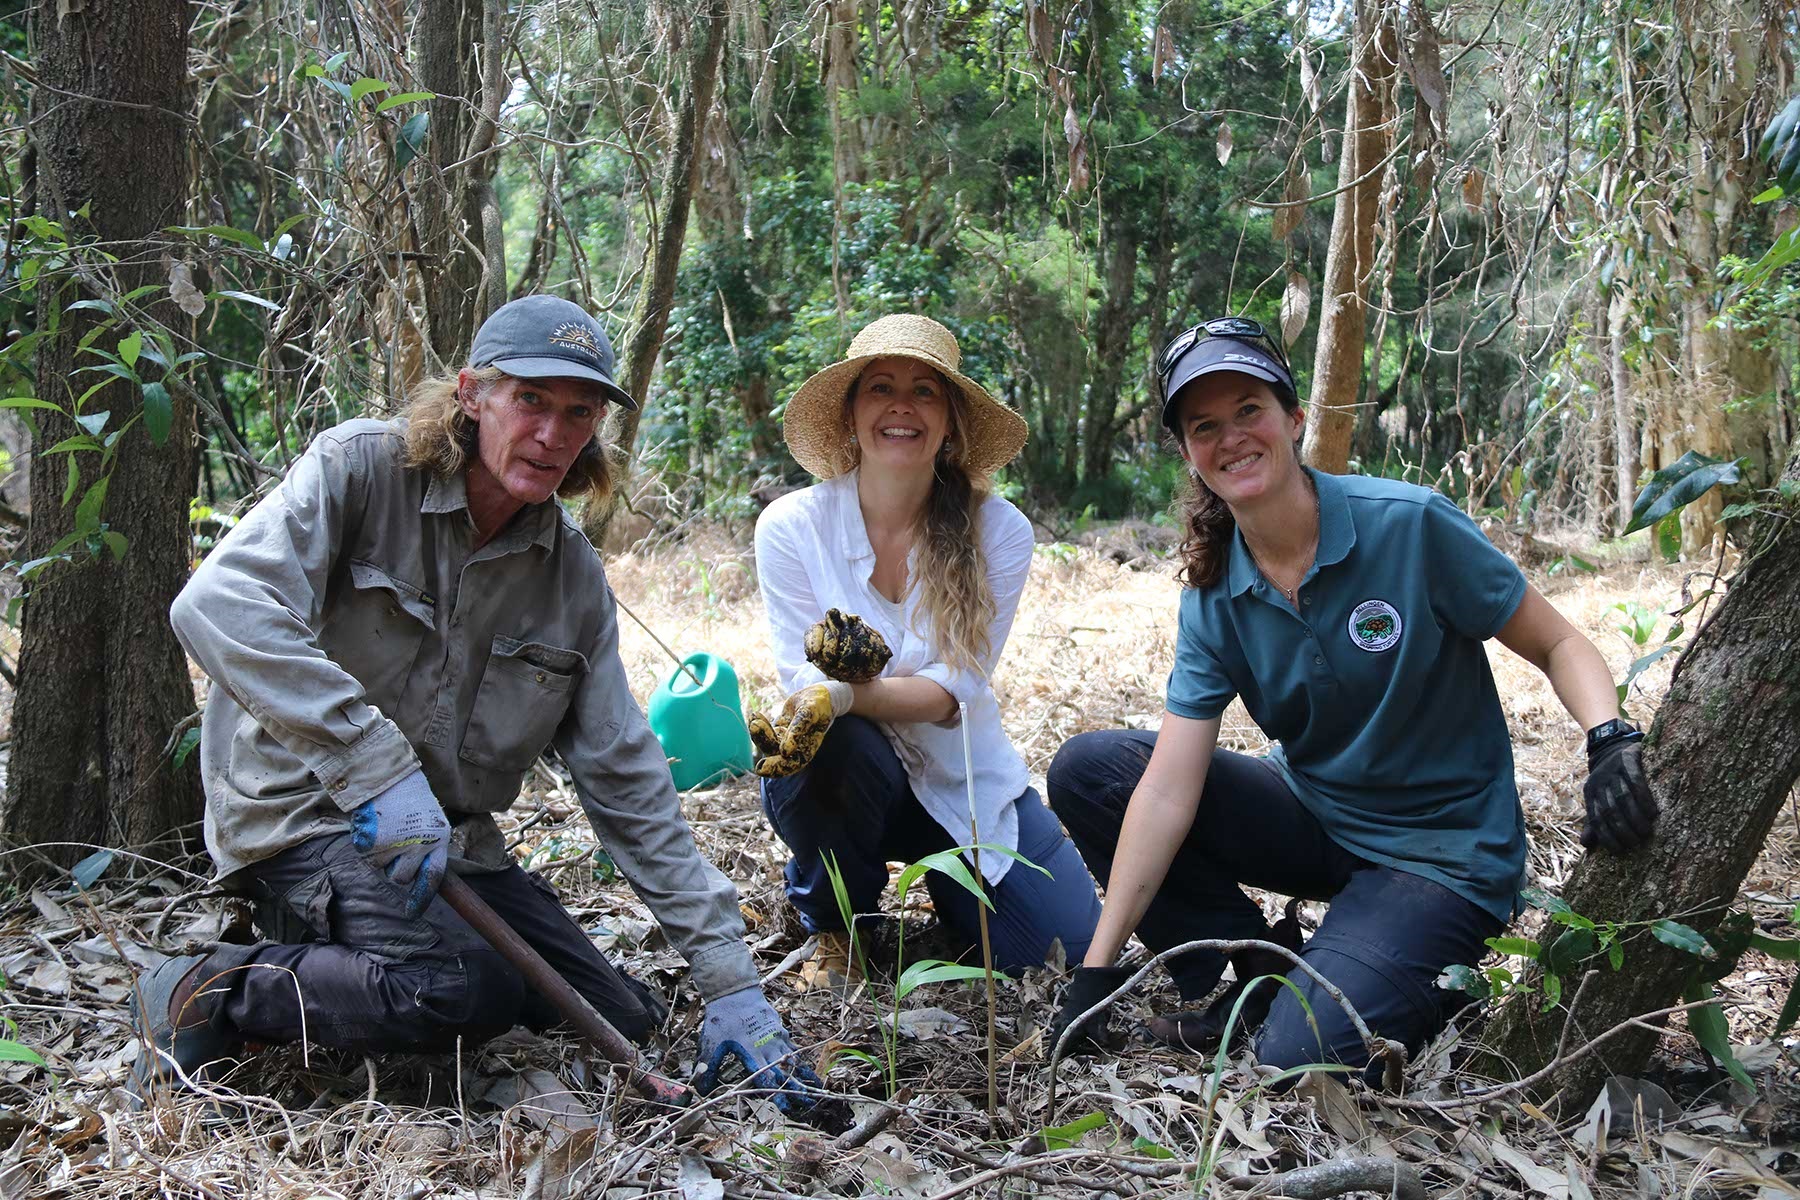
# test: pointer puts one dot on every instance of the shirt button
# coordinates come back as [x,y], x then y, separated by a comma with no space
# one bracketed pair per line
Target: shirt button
[1317,661]
[1309,633]
[393,610]
[338,785]
[1308,600]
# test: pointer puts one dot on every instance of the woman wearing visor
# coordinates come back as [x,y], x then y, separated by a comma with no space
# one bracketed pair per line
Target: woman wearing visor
[1348,613]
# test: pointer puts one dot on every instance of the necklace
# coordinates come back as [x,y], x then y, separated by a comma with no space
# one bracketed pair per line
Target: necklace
[1293,593]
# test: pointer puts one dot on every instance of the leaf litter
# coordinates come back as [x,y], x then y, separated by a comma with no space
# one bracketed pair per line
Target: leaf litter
[532,1116]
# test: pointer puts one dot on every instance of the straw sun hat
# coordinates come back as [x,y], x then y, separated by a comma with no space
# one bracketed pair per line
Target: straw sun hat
[819,438]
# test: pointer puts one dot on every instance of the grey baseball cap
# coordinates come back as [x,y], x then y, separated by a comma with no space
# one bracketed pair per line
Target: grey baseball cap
[1224,353]
[547,337]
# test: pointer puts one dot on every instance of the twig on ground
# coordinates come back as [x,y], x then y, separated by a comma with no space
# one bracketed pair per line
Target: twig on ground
[1397,1179]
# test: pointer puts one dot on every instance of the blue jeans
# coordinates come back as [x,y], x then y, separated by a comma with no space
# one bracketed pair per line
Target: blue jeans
[853,801]
[1385,939]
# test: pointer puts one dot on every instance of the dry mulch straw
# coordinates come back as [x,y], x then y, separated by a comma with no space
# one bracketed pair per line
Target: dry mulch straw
[529,1116]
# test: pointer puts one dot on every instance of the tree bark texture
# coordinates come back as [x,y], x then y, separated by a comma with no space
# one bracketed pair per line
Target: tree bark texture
[1350,255]
[650,313]
[102,681]
[1722,755]
[456,220]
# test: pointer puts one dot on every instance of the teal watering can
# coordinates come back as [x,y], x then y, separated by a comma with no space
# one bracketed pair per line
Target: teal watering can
[701,724]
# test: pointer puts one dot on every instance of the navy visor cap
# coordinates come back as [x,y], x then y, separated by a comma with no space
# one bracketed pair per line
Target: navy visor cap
[1220,353]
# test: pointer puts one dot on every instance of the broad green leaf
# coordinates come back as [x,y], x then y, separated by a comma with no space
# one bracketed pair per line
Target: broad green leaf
[362,87]
[129,345]
[1678,485]
[159,412]
[30,402]
[1150,1149]
[1552,991]
[71,444]
[1461,978]
[1511,945]
[1569,950]
[313,71]
[404,98]
[1682,937]
[74,479]
[93,422]
[1708,1026]
[1615,954]
[1668,537]
[1571,919]
[87,513]
[1785,949]
[932,970]
[292,221]
[1539,898]
[337,60]
[1640,665]
[946,862]
[1763,197]
[412,138]
[105,306]
[115,542]
[1790,1012]
[185,746]
[11,1051]
[1064,1137]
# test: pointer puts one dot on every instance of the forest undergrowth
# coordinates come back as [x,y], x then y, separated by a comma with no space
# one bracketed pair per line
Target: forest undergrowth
[530,1116]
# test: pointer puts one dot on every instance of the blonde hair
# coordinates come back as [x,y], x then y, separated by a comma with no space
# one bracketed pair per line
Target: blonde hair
[954,593]
[441,437]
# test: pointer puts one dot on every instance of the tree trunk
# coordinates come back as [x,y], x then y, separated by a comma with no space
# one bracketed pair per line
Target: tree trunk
[102,681]
[1624,417]
[1118,315]
[650,314]
[1721,757]
[1350,256]
[456,219]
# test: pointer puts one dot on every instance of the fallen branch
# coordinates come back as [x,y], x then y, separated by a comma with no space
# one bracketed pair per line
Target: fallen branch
[1397,1179]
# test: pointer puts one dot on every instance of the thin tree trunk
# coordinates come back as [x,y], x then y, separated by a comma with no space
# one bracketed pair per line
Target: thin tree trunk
[1722,755]
[650,314]
[1350,256]
[1624,423]
[102,681]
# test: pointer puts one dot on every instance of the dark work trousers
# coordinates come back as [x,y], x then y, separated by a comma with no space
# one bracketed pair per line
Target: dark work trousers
[1385,939]
[854,802]
[350,969]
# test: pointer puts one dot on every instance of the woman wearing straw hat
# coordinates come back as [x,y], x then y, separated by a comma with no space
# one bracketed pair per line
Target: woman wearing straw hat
[865,763]
[1350,616]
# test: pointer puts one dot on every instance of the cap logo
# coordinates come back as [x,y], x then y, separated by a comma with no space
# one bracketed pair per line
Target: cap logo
[577,335]
[1249,358]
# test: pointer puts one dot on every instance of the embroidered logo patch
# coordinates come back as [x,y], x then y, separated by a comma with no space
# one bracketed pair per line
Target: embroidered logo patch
[1375,625]
[576,335]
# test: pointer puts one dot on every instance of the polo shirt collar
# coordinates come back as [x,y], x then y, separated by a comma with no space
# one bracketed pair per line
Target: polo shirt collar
[1337,534]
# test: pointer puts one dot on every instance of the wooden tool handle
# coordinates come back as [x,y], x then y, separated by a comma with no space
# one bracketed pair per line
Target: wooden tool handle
[598,1031]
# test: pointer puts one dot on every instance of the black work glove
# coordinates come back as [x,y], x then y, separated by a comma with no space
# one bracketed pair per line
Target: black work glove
[1086,988]
[1621,812]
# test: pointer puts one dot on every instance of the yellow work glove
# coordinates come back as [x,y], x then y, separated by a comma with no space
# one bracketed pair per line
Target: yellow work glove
[786,744]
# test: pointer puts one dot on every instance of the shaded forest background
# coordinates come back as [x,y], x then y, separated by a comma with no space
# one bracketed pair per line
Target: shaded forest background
[1551,199]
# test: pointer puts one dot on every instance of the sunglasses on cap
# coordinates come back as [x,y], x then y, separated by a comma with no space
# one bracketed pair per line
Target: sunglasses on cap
[1241,329]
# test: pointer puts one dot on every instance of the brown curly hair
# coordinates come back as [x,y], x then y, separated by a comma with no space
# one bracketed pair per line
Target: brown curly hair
[441,437]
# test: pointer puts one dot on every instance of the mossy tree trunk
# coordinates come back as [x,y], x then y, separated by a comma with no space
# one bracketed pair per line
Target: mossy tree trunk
[1722,755]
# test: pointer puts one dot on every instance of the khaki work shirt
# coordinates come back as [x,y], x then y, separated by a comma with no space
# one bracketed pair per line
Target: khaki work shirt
[353,632]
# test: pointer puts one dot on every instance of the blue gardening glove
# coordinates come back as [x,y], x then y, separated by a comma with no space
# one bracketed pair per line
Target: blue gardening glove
[742,1026]
[403,832]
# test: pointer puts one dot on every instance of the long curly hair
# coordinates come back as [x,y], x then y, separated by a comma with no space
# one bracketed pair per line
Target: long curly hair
[1207,523]
[441,437]
[952,570]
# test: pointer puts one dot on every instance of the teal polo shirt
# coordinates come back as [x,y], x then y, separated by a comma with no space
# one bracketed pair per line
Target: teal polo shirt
[1376,688]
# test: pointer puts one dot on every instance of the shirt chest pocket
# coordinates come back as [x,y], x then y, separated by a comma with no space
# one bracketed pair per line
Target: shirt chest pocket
[524,694]
[373,630]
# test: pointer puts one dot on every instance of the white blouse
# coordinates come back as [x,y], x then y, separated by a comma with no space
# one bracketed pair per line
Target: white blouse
[813,553]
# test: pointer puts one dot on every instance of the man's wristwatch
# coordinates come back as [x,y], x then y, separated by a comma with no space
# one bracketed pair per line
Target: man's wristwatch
[1612,731]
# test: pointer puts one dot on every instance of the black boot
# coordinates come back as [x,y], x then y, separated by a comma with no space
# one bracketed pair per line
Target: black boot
[1199,1030]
